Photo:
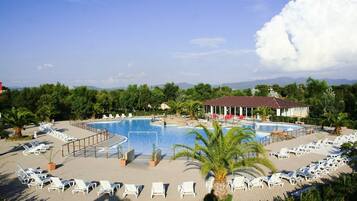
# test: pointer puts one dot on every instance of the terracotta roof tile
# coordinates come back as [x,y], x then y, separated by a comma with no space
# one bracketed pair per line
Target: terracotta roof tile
[253,101]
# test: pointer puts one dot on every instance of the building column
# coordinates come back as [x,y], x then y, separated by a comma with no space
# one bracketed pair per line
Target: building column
[240,111]
[225,110]
[246,112]
[211,107]
[278,112]
[251,112]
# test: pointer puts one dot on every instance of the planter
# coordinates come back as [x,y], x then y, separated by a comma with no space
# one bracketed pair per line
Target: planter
[122,162]
[51,166]
[153,163]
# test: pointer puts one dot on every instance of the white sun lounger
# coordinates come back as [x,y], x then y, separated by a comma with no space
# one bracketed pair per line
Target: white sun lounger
[130,115]
[256,182]
[111,116]
[37,181]
[291,177]
[24,175]
[82,186]
[238,182]
[107,187]
[274,180]
[104,116]
[117,116]
[59,185]
[296,150]
[37,144]
[283,153]
[131,189]
[209,184]
[186,188]
[158,188]
[305,173]
[32,150]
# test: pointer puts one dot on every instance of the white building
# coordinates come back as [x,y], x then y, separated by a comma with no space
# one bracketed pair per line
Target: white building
[245,105]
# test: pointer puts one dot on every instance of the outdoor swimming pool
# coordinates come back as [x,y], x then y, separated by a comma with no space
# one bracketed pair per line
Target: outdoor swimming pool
[142,134]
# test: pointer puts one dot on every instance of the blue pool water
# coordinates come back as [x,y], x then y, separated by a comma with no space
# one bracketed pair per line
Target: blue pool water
[142,134]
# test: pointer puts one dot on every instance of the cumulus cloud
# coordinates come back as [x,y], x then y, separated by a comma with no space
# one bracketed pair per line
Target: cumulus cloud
[45,66]
[310,35]
[211,54]
[208,42]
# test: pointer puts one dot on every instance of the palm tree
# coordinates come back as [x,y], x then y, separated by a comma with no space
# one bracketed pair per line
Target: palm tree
[338,120]
[223,154]
[264,112]
[193,108]
[17,118]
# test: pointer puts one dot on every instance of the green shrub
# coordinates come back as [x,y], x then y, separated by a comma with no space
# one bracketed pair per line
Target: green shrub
[342,188]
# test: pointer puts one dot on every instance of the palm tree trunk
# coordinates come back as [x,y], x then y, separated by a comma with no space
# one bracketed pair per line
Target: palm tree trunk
[220,189]
[337,130]
[18,132]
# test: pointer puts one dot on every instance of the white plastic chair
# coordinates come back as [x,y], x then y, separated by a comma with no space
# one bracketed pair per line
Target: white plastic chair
[274,180]
[158,188]
[37,181]
[238,182]
[256,182]
[186,188]
[58,184]
[82,186]
[107,187]
[209,184]
[131,189]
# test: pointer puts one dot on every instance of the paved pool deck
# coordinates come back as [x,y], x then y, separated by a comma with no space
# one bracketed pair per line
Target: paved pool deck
[170,172]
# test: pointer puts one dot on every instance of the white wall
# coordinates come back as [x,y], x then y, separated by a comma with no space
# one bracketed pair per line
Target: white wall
[295,112]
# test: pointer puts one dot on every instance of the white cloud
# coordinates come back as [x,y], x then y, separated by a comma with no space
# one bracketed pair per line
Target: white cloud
[208,42]
[45,66]
[211,54]
[310,35]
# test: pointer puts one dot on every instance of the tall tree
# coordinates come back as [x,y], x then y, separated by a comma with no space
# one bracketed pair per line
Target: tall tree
[170,91]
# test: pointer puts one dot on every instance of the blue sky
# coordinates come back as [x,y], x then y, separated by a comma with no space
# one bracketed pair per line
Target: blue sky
[111,43]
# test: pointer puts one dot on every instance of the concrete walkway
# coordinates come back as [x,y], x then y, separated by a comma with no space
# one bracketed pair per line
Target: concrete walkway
[170,172]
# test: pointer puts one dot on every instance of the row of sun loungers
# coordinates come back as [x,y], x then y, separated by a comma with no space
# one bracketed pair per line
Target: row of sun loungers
[307,148]
[117,116]
[35,147]
[37,178]
[312,171]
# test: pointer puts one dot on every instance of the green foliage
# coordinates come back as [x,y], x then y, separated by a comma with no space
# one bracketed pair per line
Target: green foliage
[311,195]
[3,133]
[350,150]
[17,118]
[212,197]
[262,90]
[56,101]
[170,91]
[264,112]
[342,188]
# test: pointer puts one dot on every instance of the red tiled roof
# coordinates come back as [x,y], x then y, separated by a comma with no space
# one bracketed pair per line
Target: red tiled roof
[253,101]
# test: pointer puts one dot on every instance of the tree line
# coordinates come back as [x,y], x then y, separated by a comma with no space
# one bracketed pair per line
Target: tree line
[60,102]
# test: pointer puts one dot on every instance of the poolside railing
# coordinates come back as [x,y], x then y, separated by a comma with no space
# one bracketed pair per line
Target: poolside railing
[71,148]
[289,135]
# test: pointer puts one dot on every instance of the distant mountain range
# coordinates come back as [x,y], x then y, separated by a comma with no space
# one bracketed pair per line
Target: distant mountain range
[282,81]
